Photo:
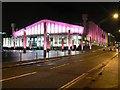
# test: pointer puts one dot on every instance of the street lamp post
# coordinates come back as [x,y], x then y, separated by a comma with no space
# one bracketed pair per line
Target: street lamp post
[48,44]
[24,43]
[62,44]
[13,30]
[115,16]
[45,41]
[68,41]
[72,44]
[84,17]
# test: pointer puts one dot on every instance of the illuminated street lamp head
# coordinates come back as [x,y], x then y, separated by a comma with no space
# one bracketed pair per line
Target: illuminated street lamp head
[115,16]
[119,30]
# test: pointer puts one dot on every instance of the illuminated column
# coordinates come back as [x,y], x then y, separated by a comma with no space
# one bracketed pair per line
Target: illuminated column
[24,43]
[37,41]
[14,43]
[68,41]
[27,42]
[58,40]
[90,43]
[48,42]
[8,42]
[45,41]
[77,41]
[3,42]
[82,42]
[18,42]
[11,42]
[72,44]
[62,43]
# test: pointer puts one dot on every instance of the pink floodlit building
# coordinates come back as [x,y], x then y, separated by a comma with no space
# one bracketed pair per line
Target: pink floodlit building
[97,35]
[55,31]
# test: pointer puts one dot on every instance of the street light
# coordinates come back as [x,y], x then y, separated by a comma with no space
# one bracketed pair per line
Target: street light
[115,15]
[119,30]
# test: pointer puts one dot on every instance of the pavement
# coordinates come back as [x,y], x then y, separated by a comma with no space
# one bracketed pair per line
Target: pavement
[104,78]
[34,61]
[109,77]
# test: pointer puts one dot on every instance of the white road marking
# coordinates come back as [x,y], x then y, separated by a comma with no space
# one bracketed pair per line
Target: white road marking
[59,66]
[23,75]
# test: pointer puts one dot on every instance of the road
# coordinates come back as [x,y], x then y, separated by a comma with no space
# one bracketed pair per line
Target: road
[53,74]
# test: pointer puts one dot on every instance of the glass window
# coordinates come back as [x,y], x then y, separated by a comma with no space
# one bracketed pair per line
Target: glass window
[59,28]
[65,40]
[52,28]
[56,28]
[63,30]
[60,40]
[33,30]
[38,28]
[42,28]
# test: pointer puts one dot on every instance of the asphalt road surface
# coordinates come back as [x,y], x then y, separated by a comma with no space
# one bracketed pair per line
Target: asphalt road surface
[54,74]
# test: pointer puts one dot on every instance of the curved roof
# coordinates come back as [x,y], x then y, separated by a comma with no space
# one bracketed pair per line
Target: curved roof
[53,27]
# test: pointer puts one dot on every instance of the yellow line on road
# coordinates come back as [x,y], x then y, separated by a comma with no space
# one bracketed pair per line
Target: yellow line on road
[59,66]
[23,75]
[69,84]
[72,82]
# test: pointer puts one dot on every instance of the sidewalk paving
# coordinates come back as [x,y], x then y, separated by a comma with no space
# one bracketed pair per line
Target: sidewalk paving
[28,62]
[109,77]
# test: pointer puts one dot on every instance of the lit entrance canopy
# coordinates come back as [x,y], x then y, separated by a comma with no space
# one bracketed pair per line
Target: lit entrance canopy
[53,27]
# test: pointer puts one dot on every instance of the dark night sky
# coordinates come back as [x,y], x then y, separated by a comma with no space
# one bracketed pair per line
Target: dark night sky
[27,13]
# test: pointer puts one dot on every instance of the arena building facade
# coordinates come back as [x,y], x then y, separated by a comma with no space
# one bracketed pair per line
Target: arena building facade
[56,35]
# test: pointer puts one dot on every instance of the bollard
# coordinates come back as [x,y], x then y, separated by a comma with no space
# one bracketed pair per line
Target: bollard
[44,59]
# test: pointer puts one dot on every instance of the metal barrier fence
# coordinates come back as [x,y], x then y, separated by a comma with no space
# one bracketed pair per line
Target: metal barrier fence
[18,55]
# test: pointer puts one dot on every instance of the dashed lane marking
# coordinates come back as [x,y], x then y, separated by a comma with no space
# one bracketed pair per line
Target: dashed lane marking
[59,66]
[23,75]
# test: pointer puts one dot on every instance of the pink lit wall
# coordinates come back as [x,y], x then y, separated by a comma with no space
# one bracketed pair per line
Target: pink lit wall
[96,34]
[52,28]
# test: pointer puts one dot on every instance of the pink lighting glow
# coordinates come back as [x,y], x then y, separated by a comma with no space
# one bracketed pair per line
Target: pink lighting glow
[96,34]
[62,44]
[45,42]
[24,40]
[72,44]
[69,40]
[60,31]
[56,28]
[42,28]
[48,27]
[33,30]
[38,28]
[52,27]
